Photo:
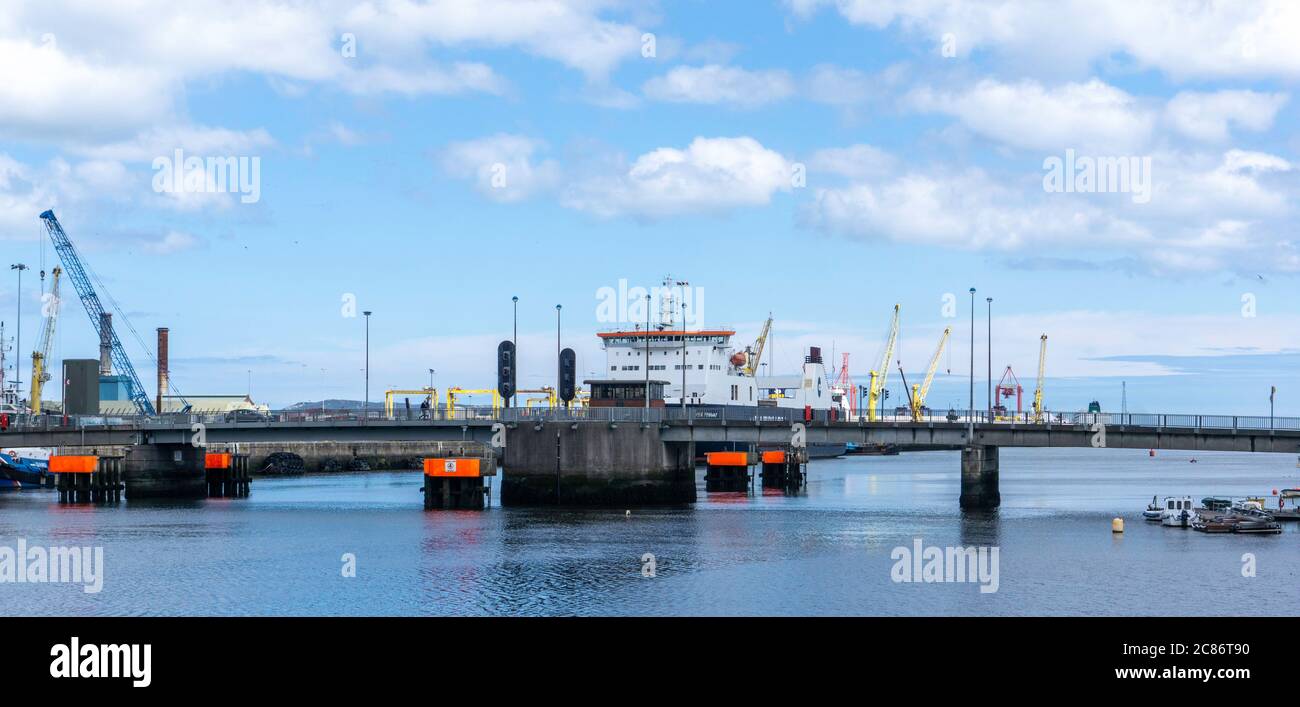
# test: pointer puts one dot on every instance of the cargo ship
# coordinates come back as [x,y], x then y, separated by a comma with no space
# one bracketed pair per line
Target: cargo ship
[701,369]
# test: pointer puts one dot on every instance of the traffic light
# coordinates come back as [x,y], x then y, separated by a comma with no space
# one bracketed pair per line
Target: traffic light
[568,374]
[506,369]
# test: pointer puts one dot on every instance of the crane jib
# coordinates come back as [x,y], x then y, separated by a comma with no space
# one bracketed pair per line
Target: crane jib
[95,309]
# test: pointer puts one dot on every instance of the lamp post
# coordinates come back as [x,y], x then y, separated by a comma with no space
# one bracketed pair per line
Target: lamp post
[683,356]
[432,403]
[989,300]
[558,373]
[1272,391]
[514,343]
[365,411]
[970,415]
[647,351]
[18,345]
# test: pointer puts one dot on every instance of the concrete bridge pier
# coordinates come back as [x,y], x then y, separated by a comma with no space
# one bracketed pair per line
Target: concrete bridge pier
[595,464]
[165,471]
[979,477]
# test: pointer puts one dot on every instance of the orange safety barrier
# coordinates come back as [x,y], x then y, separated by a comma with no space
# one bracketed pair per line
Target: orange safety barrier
[451,467]
[73,464]
[216,461]
[727,458]
[776,457]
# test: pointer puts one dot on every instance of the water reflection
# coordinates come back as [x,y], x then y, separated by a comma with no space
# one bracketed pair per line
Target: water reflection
[824,550]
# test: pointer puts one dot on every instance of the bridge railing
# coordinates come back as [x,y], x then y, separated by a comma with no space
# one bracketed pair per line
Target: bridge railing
[669,414]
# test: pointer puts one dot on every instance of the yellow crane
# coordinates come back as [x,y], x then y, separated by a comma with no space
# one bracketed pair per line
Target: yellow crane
[41,356]
[920,391]
[430,393]
[752,360]
[1038,391]
[547,394]
[881,374]
[453,393]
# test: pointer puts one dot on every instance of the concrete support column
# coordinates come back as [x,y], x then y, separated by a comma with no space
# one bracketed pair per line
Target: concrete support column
[165,471]
[979,477]
[595,464]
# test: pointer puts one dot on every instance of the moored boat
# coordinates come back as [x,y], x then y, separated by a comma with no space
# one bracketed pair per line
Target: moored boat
[1177,512]
[1153,510]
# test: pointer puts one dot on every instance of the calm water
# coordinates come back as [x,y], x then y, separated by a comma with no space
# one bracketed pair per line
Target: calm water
[824,552]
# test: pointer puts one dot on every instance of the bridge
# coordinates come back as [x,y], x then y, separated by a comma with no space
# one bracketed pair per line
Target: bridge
[602,445]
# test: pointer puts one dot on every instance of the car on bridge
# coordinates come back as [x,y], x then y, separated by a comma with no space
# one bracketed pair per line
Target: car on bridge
[247,416]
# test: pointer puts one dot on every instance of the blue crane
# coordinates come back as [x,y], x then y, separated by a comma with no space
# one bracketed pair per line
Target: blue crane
[77,273]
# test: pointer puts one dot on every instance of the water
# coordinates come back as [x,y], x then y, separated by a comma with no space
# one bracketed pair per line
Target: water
[825,552]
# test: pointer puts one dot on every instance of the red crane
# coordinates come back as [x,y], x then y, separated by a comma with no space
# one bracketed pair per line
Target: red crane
[844,384]
[1008,386]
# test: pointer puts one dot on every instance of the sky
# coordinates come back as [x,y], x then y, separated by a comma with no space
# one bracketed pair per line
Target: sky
[818,160]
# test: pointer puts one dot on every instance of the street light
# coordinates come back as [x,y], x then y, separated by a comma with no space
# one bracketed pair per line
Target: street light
[432,404]
[365,412]
[971,410]
[1272,391]
[559,373]
[18,346]
[990,348]
[514,343]
[683,355]
[647,351]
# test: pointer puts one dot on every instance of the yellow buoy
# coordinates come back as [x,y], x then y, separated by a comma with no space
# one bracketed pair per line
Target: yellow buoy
[1117,525]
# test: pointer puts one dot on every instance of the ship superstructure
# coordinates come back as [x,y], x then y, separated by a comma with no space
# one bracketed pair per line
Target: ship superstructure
[713,369]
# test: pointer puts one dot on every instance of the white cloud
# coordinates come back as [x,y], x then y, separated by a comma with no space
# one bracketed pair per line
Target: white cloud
[1209,116]
[838,86]
[1091,116]
[461,77]
[711,175]
[128,64]
[502,166]
[1207,213]
[1181,39]
[163,141]
[568,31]
[46,94]
[22,197]
[854,162]
[171,242]
[715,84]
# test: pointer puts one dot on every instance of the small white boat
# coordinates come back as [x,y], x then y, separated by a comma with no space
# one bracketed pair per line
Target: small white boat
[1153,511]
[1178,512]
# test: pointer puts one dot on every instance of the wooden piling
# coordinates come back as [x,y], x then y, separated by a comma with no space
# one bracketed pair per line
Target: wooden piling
[785,468]
[227,475]
[728,471]
[454,483]
[88,479]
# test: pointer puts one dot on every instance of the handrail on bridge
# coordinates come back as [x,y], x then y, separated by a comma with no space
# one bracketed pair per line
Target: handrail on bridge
[666,415]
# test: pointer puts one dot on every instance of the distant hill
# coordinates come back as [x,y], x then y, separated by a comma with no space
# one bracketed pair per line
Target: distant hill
[333,404]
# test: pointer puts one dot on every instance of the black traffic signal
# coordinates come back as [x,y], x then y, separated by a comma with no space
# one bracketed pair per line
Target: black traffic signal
[568,374]
[506,369]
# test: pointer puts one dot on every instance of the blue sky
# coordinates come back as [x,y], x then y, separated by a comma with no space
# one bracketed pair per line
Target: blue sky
[633,140]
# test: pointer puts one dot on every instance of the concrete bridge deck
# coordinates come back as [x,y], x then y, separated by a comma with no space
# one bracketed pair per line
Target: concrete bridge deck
[731,424]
